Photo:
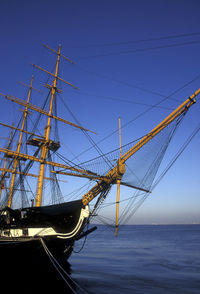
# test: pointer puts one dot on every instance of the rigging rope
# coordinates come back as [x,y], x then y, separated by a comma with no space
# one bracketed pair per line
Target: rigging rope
[140,41]
[184,146]
[64,275]
[39,115]
[20,178]
[132,206]
[94,145]
[136,200]
[139,50]
[140,114]
[120,99]
[56,194]
[125,218]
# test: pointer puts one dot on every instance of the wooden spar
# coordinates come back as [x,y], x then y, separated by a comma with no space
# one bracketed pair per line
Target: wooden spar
[118,183]
[120,138]
[43,142]
[135,187]
[44,150]
[8,170]
[36,108]
[17,129]
[16,160]
[176,113]
[4,166]
[57,53]
[24,156]
[86,175]
[25,85]
[55,76]
[117,208]
[117,172]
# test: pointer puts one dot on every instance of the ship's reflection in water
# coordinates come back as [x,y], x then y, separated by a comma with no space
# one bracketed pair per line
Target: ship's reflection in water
[26,272]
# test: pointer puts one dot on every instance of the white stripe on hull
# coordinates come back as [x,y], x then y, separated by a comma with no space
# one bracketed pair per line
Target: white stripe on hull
[48,231]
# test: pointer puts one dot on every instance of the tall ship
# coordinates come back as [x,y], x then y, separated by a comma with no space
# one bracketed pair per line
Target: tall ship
[33,218]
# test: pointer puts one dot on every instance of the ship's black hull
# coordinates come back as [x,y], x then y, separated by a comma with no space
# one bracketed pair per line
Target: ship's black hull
[26,265]
[30,248]
[24,259]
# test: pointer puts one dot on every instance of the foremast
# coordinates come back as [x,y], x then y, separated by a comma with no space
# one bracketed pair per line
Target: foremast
[16,160]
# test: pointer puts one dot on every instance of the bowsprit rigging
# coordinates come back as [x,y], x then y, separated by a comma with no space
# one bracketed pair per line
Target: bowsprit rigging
[26,217]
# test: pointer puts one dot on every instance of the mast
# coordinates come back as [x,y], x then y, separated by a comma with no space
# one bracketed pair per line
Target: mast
[4,166]
[118,183]
[16,160]
[44,149]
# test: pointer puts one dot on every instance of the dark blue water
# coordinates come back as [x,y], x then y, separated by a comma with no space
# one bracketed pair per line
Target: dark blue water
[142,259]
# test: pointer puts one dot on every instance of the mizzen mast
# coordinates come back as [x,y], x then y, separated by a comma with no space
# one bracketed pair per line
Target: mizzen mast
[16,160]
[3,175]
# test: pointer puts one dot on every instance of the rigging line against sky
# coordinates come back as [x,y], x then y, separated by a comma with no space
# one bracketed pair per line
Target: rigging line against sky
[138,50]
[158,47]
[124,218]
[146,90]
[140,41]
[138,87]
[178,154]
[89,138]
[102,76]
[140,114]
[135,207]
[119,99]
[81,23]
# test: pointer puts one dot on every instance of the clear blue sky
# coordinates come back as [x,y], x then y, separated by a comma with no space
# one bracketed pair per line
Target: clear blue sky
[102,38]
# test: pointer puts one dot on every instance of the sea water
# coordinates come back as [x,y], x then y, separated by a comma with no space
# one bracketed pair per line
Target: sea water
[149,259]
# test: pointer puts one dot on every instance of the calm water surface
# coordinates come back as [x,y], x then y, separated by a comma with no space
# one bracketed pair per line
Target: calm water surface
[142,259]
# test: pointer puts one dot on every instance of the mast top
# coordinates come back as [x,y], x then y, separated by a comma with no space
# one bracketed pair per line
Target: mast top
[58,53]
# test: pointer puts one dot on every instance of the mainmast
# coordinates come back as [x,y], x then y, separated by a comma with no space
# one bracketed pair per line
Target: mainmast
[44,150]
[16,160]
[46,143]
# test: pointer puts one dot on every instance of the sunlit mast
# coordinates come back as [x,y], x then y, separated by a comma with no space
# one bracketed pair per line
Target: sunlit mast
[115,175]
[44,149]
[16,160]
[3,175]
[45,143]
